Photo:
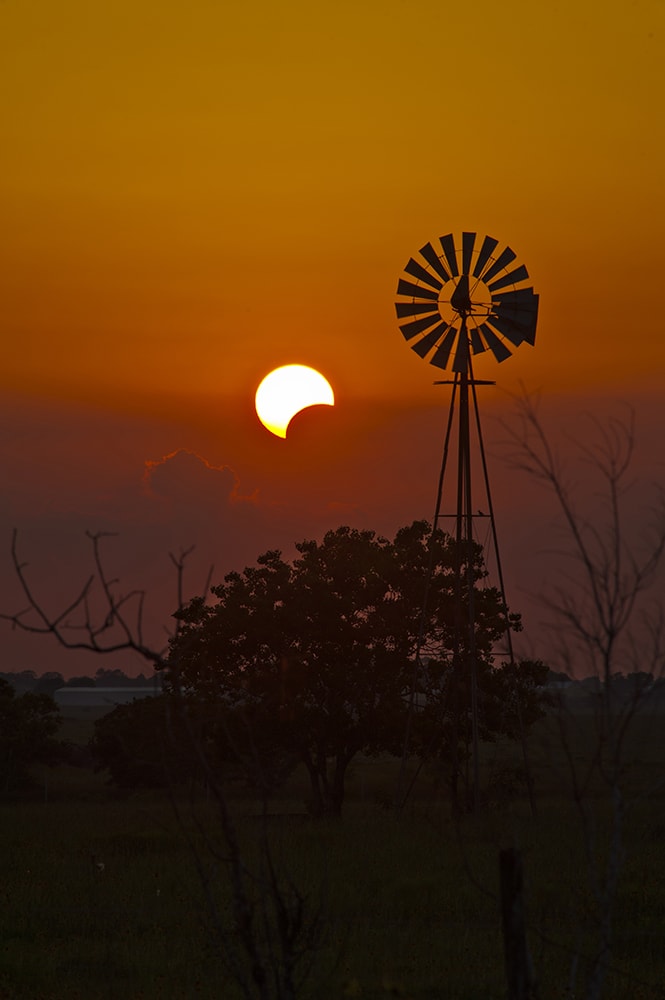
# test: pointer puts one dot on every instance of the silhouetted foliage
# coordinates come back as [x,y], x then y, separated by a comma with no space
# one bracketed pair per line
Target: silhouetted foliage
[49,682]
[136,743]
[510,699]
[267,930]
[558,677]
[316,655]
[158,742]
[112,678]
[28,724]
[21,681]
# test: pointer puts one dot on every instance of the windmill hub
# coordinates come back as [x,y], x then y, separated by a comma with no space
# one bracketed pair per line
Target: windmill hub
[474,283]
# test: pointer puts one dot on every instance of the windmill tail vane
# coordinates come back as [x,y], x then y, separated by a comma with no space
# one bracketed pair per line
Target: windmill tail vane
[466,299]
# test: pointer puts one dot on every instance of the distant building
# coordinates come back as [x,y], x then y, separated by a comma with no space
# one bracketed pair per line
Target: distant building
[99,697]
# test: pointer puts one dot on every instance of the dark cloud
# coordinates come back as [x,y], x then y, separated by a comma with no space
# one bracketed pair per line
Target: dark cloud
[181,476]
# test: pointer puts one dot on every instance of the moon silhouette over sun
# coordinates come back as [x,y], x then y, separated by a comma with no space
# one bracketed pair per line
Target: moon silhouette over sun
[288,390]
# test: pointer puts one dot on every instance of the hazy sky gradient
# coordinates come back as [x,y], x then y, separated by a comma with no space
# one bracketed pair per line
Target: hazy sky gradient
[194,195]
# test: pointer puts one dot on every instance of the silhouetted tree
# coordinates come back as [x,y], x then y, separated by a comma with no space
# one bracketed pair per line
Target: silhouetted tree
[316,654]
[111,678]
[49,682]
[267,931]
[21,681]
[149,743]
[510,699]
[28,724]
[140,681]
[142,745]
[606,614]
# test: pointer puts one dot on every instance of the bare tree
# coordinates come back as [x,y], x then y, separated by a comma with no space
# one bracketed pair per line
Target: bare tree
[606,622]
[268,943]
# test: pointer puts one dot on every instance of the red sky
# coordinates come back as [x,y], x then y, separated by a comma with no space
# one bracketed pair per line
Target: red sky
[193,196]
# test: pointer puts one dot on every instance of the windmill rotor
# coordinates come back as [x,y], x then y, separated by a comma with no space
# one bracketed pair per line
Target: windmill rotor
[459,299]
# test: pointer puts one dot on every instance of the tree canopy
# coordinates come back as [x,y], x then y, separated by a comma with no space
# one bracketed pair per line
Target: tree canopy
[28,724]
[316,655]
[143,744]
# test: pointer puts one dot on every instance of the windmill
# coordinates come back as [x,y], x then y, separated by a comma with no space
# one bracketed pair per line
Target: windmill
[457,301]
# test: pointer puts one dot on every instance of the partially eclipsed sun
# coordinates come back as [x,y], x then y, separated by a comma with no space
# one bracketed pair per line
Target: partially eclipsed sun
[288,390]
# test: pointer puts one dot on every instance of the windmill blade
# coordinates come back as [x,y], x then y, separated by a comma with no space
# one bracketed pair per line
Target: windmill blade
[425,345]
[468,240]
[442,353]
[477,345]
[448,246]
[525,324]
[411,329]
[412,308]
[496,346]
[511,330]
[522,317]
[415,291]
[514,317]
[432,258]
[503,260]
[519,274]
[418,271]
[530,336]
[522,297]
[489,244]
[522,307]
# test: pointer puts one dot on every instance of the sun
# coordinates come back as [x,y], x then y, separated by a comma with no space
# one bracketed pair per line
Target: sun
[288,390]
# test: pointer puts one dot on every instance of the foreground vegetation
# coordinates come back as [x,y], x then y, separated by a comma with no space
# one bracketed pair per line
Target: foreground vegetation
[146,894]
[100,896]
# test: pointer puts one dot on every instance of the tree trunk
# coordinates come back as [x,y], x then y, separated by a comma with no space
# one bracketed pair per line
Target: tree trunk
[315,803]
[519,971]
[327,796]
[336,792]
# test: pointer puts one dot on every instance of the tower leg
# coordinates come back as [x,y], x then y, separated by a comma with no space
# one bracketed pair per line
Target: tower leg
[464,548]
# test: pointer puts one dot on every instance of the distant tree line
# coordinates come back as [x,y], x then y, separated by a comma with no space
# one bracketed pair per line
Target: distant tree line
[25,681]
[30,721]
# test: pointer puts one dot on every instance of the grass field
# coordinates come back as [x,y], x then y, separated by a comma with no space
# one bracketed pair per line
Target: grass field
[409,906]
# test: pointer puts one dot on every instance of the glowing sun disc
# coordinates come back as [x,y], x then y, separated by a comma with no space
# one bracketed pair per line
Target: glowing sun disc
[288,390]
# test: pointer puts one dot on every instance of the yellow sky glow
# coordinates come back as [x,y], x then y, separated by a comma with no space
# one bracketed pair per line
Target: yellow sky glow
[192,196]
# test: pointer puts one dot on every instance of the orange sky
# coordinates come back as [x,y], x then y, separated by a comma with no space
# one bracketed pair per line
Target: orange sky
[195,194]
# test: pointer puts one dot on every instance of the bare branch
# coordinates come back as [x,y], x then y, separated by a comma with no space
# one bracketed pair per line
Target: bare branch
[596,614]
[75,627]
